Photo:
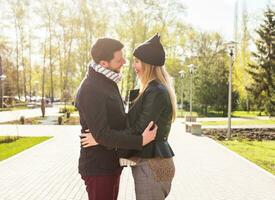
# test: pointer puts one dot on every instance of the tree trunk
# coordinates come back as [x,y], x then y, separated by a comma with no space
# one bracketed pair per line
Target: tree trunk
[17,62]
[60,69]
[51,66]
[43,110]
[21,29]
[30,67]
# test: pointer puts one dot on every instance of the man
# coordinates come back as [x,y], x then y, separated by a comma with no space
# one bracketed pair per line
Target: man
[101,110]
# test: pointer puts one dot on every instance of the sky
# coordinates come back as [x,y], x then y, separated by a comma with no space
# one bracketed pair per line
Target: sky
[218,15]
[204,15]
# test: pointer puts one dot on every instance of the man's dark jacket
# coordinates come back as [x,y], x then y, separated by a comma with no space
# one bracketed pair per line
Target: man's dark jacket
[101,110]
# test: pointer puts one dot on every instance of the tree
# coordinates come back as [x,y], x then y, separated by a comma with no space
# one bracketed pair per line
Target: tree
[18,15]
[241,78]
[49,12]
[211,60]
[8,68]
[263,71]
[140,20]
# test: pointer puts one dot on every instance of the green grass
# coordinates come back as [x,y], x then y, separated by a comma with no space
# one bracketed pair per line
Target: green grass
[261,153]
[14,108]
[247,114]
[183,113]
[240,122]
[210,113]
[22,143]
[213,113]
[29,121]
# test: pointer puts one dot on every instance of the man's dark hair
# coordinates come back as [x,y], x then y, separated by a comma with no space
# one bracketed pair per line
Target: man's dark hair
[104,49]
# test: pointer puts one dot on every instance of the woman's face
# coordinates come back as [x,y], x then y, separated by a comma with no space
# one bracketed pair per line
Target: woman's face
[138,67]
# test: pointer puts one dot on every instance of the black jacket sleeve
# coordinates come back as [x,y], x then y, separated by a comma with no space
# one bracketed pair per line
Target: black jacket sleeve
[93,107]
[153,103]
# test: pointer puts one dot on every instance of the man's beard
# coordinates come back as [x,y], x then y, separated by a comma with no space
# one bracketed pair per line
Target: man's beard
[114,70]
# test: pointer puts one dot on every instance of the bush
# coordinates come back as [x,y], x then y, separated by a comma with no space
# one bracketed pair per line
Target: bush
[67,109]
[22,120]
[60,120]
[8,139]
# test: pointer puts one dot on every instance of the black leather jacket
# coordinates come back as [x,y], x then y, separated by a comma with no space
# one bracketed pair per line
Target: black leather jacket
[153,105]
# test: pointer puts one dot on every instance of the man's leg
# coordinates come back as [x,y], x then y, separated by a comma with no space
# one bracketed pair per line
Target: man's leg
[102,187]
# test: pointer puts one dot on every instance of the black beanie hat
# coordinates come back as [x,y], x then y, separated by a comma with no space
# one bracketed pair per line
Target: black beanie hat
[151,51]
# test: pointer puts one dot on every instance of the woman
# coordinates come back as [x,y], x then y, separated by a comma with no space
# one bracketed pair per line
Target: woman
[153,168]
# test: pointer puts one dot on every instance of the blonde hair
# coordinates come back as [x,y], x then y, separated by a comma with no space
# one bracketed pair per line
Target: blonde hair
[150,73]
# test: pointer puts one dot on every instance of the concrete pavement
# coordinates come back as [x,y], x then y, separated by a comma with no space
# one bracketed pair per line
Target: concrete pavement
[205,170]
[27,113]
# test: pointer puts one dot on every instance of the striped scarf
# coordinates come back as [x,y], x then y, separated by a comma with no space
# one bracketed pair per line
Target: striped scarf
[116,77]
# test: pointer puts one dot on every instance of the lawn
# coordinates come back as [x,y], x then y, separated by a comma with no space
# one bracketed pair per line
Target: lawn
[240,122]
[247,114]
[183,113]
[261,153]
[29,121]
[23,107]
[18,145]
[213,113]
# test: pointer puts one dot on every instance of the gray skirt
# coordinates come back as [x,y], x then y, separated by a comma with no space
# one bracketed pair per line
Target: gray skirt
[153,178]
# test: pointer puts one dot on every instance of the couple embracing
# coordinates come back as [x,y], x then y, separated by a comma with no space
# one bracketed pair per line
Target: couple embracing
[112,139]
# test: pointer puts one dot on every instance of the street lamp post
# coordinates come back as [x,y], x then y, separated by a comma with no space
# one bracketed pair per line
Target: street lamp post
[231,46]
[2,78]
[191,70]
[181,72]
[20,69]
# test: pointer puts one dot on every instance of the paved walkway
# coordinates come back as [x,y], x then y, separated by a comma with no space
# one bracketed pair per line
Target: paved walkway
[27,113]
[205,170]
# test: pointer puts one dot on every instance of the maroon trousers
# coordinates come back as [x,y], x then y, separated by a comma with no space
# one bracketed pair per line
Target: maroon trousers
[102,187]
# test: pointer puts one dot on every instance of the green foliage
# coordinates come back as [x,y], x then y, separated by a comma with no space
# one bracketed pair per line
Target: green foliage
[211,73]
[67,109]
[139,21]
[11,148]
[63,34]
[263,71]
[8,139]
[241,78]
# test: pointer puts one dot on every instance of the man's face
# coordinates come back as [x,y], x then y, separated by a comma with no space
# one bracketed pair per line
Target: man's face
[117,62]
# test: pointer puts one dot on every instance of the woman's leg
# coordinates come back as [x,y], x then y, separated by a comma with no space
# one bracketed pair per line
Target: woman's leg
[149,182]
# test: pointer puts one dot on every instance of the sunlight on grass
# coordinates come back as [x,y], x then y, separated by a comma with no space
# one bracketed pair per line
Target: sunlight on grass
[261,153]
[183,113]
[247,114]
[14,108]
[9,149]
[241,122]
